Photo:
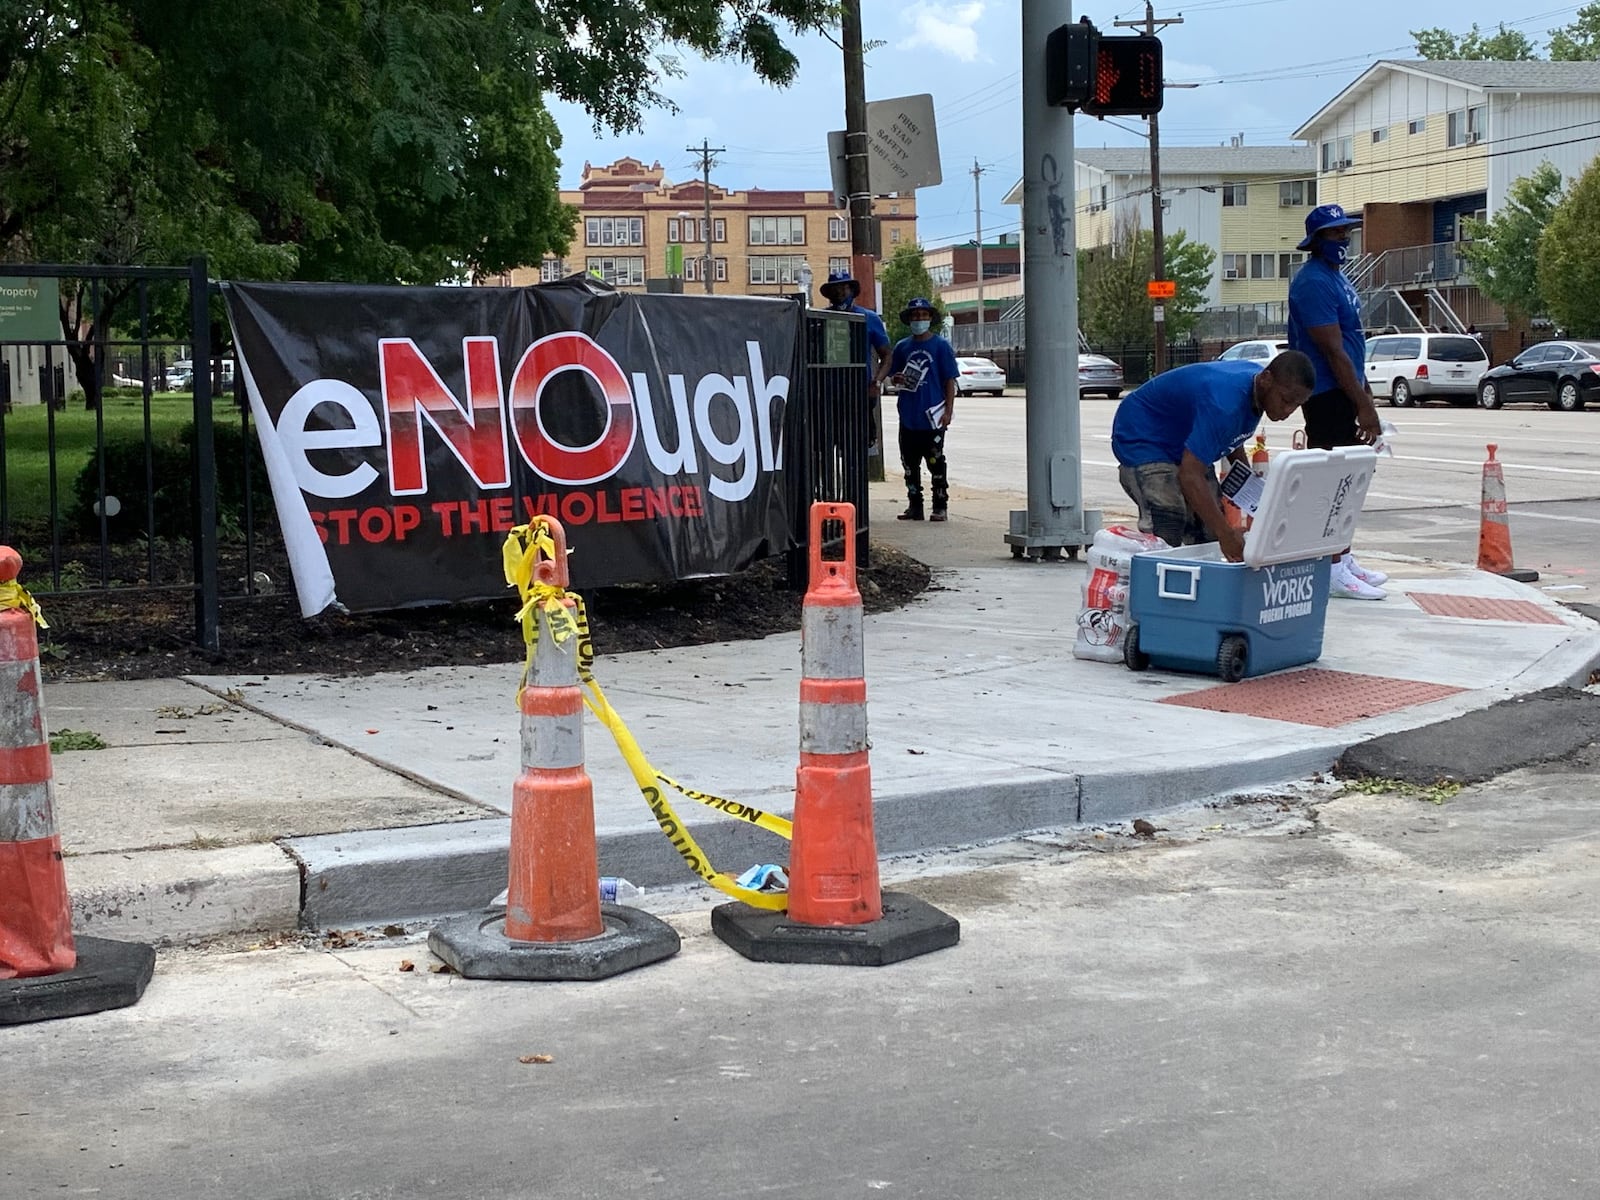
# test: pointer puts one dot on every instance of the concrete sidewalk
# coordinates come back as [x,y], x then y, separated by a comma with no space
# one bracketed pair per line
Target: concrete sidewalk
[231,803]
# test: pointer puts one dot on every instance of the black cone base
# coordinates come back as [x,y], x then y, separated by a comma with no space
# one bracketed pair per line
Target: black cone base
[109,974]
[908,927]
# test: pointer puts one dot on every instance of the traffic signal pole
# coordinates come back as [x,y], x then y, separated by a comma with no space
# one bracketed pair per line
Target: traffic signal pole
[1055,518]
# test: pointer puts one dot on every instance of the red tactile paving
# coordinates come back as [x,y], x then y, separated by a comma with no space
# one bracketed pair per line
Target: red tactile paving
[1480,608]
[1314,697]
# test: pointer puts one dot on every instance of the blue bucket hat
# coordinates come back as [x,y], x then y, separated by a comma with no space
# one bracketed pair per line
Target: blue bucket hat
[1325,216]
[838,277]
[915,303]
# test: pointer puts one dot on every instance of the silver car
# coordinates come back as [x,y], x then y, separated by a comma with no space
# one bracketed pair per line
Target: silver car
[1257,351]
[1099,374]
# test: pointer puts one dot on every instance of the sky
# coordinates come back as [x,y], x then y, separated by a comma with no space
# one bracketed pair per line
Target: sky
[1264,67]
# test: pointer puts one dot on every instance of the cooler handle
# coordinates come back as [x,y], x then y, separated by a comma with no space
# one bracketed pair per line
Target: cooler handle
[1191,574]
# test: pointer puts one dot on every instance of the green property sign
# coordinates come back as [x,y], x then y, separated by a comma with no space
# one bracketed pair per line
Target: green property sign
[30,309]
[674,262]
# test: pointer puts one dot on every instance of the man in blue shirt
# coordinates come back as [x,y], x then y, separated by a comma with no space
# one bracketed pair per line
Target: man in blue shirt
[1168,435]
[1325,325]
[923,370]
[840,292]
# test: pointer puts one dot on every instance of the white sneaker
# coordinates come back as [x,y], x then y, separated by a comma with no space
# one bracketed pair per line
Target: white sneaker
[1347,585]
[1365,574]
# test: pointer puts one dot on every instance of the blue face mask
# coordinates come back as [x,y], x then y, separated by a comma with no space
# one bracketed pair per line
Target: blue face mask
[921,326]
[1334,252]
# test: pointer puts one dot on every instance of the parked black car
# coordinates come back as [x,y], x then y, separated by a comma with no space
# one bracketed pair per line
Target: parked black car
[1563,375]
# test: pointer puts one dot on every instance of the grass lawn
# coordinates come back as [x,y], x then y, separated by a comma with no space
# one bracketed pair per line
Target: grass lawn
[27,448]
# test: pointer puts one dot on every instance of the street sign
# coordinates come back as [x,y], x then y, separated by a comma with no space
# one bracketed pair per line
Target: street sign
[1161,289]
[902,147]
[674,262]
[30,309]
[1161,312]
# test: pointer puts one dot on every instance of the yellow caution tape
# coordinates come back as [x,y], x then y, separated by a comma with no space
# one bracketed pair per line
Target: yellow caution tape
[524,546]
[14,595]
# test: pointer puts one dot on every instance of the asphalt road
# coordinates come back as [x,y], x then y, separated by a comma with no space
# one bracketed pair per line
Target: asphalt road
[1425,501]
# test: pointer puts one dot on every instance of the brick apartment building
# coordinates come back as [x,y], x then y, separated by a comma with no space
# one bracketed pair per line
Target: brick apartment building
[629,214]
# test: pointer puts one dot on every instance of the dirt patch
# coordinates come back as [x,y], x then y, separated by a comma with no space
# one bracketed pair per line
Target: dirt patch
[97,635]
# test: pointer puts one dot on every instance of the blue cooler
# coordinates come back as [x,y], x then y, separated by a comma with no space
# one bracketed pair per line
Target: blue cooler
[1190,610]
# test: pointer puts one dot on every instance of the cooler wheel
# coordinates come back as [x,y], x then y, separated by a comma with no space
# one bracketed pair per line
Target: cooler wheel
[1134,658]
[1232,658]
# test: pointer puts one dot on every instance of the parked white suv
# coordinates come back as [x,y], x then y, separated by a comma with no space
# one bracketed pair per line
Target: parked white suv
[1413,367]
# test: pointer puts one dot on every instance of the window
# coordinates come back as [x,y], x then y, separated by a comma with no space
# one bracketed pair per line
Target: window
[1297,193]
[1380,350]
[1464,223]
[1455,349]
[838,264]
[777,231]
[894,210]
[613,231]
[720,230]
[838,229]
[1406,349]
[552,269]
[1099,198]
[1234,266]
[775,268]
[943,275]
[674,230]
[1380,135]
[620,272]
[1337,154]
[691,269]
[1464,126]
[1557,353]
[894,236]
[1234,195]
[1289,263]
[1263,266]
[1417,125]
[999,270]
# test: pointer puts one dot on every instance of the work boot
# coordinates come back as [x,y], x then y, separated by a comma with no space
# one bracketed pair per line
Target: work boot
[913,512]
[939,515]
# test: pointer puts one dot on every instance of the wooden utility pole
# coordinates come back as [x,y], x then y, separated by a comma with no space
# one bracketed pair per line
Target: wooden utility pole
[856,176]
[977,216]
[1148,26]
[707,153]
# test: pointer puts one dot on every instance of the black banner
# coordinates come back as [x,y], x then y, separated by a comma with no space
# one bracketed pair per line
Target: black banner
[406,429]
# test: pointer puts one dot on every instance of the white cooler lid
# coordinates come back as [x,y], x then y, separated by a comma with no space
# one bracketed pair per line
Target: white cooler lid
[1310,504]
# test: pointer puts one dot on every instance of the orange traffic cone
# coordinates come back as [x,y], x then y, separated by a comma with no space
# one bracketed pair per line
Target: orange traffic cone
[1494,530]
[45,973]
[833,865]
[35,914]
[554,926]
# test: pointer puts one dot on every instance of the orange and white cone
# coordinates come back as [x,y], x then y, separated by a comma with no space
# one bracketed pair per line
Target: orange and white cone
[833,864]
[551,894]
[35,912]
[1494,529]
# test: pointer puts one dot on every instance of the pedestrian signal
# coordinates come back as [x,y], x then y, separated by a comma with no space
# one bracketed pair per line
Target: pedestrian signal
[1103,76]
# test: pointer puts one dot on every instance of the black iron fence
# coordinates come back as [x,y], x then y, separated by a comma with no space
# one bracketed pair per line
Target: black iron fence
[828,428]
[130,475]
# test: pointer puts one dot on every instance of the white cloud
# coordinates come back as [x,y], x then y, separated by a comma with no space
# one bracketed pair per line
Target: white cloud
[946,28]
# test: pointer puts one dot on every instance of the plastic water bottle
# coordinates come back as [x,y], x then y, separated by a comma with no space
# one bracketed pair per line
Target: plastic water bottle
[612,891]
[618,891]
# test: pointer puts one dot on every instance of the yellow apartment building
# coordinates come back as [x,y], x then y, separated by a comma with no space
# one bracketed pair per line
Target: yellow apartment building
[631,217]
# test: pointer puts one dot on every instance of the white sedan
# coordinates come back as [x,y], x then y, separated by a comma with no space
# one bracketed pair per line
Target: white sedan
[979,375]
[1261,352]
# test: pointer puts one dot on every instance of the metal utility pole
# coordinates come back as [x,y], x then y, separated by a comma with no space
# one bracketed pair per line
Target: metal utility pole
[1148,25]
[1055,518]
[977,215]
[855,152]
[706,152]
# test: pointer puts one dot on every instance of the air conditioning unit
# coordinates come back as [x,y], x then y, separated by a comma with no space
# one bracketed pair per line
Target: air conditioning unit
[1474,136]
[1286,202]
[1233,273]
[1342,164]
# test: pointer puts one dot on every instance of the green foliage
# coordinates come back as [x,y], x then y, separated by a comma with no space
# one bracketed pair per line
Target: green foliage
[1436,793]
[1114,307]
[171,471]
[1579,41]
[904,276]
[1502,255]
[1569,258]
[63,740]
[1504,44]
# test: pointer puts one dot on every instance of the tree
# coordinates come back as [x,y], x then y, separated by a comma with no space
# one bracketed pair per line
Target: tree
[1114,305]
[1501,254]
[904,276]
[1579,41]
[364,140]
[1569,258]
[1504,44]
